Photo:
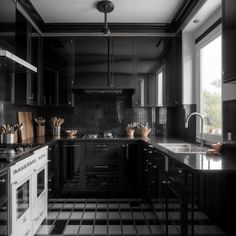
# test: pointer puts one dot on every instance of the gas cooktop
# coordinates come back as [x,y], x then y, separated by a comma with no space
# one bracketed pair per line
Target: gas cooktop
[10,152]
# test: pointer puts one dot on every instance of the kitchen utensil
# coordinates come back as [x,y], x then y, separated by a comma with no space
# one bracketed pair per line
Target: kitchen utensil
[56,130]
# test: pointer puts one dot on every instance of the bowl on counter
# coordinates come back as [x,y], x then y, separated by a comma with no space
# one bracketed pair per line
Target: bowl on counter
[71,133]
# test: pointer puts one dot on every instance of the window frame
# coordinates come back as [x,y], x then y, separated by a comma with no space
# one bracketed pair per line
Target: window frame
[210,138]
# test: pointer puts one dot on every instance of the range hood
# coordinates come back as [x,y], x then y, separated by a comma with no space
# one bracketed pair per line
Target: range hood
[12,63]
[103,91]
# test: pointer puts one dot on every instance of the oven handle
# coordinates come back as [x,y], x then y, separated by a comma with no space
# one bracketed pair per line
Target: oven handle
[35,170]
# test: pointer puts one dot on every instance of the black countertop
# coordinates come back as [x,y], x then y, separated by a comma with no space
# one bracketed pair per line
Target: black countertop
[194,161]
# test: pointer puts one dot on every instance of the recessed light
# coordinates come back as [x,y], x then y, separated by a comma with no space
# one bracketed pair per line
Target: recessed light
[196,21]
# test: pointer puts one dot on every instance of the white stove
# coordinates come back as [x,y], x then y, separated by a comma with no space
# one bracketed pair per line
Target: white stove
[28,178]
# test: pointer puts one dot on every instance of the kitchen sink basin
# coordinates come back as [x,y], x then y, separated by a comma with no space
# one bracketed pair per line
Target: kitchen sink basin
[183,148]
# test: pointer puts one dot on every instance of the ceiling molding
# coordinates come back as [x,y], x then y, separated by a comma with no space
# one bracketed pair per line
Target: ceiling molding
[187,9]
[32,12]
[98,28]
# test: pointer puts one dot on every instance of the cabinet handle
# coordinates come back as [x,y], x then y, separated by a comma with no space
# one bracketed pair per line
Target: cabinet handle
[2,180]
[101,149]
[99,167]
[127,151]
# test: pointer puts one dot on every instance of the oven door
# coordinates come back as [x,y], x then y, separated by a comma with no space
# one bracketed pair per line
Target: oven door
[21,207]
[40,200]
[40,184]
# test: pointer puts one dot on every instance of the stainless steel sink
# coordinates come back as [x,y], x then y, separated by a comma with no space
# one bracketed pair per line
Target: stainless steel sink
[183,148]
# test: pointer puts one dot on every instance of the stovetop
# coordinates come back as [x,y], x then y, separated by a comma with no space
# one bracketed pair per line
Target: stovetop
[10,152]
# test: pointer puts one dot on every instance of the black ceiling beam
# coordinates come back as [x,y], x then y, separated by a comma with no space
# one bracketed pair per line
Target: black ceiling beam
[32,12]
[186,11]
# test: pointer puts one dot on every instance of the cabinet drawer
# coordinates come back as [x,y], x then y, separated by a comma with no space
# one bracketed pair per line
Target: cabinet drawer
[101,168]
[101,181]
[104,152]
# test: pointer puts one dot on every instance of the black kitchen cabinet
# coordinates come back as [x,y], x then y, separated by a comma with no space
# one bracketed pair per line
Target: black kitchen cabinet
[133,164]
[228,40]
[7,25]
[91,62]
[70,169]
[7,42]
[122,62]
[58,71]
[4,204]
[28,47]
[103,166]
[53,169]
[148,58]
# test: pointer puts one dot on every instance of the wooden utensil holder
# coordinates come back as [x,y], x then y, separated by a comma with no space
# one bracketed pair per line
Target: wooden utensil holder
[40,131]
[144,132]
[130,133]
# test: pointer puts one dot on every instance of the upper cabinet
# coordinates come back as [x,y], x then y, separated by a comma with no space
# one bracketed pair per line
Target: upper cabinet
[58,71]
[91,62]
[27,47]
[102,62]
[229,39]
[158,72]
[122,62]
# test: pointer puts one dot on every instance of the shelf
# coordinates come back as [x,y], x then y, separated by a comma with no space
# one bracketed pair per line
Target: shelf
[11,63]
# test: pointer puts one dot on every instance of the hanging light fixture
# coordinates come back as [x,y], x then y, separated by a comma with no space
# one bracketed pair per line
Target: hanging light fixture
[105,7]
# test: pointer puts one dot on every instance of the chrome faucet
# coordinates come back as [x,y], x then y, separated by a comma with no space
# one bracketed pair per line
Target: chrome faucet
[202,140]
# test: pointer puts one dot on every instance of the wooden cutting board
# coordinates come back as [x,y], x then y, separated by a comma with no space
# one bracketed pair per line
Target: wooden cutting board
[27,130]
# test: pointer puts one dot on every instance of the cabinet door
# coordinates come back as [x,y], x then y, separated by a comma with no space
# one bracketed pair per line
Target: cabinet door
[172,79]
[147,58]
[122,62]
[71,165]
[91,62]
[228,39]
[56,67]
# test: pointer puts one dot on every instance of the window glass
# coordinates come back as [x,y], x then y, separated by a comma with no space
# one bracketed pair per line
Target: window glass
[210,85]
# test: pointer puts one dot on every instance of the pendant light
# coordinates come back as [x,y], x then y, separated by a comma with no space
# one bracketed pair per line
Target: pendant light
[105,7]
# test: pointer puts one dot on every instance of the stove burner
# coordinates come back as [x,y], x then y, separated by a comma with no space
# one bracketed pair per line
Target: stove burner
[10,152]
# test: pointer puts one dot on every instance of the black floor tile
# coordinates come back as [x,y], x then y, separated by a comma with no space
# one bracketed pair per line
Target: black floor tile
[127,222]
[101,222]
[134,204]
[140,222]
[114,222]
[47,222]
[74,222]
[87,222]
[59,227]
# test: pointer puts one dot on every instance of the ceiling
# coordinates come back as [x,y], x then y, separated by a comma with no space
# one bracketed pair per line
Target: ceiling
[126,11]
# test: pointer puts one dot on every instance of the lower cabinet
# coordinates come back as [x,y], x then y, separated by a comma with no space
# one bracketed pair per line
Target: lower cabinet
[87,166]
[4,204]
[53,168]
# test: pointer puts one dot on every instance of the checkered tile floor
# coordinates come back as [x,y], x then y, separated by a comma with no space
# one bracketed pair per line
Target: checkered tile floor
[112,217]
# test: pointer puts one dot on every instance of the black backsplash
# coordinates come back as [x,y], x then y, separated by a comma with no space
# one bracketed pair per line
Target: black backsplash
[176,122]
[229,119]
[8,112]
[96,113]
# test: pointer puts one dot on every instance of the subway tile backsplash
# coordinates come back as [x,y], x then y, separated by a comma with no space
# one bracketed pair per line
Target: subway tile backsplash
[100,112]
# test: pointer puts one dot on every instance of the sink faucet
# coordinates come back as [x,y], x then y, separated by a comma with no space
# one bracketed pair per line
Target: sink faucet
[202,140]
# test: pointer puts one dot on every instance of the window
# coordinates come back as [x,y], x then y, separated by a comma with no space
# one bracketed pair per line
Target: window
[159,84]
[209,84]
